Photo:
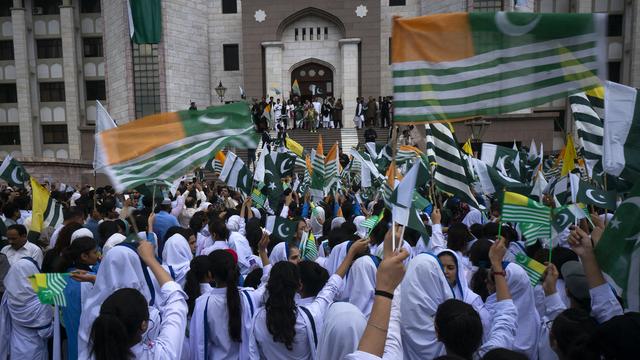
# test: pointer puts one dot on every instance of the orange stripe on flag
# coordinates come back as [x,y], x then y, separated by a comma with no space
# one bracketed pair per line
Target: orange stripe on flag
[138,137]
[332,154]
[436,38]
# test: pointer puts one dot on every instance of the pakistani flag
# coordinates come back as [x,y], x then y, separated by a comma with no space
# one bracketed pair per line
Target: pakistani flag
[145,21]
[493,63]
[505,159]
[284,162]
[566,215]
[13,172]
[50,287]
[273,182]
[593,196]
[284,229]
[493,181]
[236,174]
[621,142]
[168,145]
[559,187]
[402,205]
[618,251]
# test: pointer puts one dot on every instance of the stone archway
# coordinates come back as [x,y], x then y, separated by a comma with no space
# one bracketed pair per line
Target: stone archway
[314,78]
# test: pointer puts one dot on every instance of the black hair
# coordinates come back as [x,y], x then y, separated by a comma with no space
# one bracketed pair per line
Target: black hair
[411,236]
[253,278]
[72,212]
[197,221]
[477,230]
[490,230]
[218,228]
[458,237]
[504,354]
[455,317]
[21,229]
[224,270]
[9,209]
[199,268]
[573,330]
[71,255]
[313,277]
[141,219]
[280,306]
[253,234]
[122,225]
[617,338]
[117,327]
[106,229]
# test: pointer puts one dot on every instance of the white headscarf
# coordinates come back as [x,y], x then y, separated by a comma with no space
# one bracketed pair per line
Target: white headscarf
[360,230]
[235,224]
[240,245]
[204,206]
[317,219]
[337,221]
[279,253]
[337,255]
[120,268]
[343,326]
[423,289]
[528,329]
[177,254]
[112,241]
[361,284]
[256,213]
[20,304]
[82,232]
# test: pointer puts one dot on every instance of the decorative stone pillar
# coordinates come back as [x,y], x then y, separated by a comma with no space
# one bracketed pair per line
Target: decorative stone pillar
[29,128]
[350,78]
[273,68]
[71,78]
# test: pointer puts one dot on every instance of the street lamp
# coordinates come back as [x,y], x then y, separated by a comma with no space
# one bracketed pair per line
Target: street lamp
[478,127]
[220,90]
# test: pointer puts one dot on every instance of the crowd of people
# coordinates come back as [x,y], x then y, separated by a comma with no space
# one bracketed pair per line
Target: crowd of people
[317,112]
[195,275]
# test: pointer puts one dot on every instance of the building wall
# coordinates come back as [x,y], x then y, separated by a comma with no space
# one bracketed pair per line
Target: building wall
[225,29]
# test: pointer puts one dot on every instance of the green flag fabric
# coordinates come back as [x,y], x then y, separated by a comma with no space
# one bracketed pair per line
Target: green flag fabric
[621,142]
[145,21]
[308,247]
[284,229]
[49,287]
[618,250]
[13,172]
[519,208]
[593,196]
[236,174]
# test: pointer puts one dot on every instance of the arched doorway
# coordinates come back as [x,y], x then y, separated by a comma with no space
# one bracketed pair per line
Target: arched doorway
[314,79]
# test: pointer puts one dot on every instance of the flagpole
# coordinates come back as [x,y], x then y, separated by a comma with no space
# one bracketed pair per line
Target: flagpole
[606,212]
[394,152]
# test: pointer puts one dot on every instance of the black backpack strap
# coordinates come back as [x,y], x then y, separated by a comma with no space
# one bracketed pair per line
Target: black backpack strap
[206,328]
[313,324]
[173,273]
[246,294]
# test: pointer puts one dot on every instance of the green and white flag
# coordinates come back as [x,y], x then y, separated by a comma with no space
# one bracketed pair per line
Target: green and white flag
[618,251]
[502,158]
[590,129]
[493,63]
[566,215]
[519,208]
[621,142]
[308,247]
[401,201]
[533,232]
[13,172]
[493,181]
[591,195]
[317,177]
[50,287]
[145,21]
[282,228]
[236,174]
[284,162]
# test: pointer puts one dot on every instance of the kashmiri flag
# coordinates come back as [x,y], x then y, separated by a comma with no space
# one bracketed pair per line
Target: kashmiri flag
[267,112]
[533,232]
[46,211]
[103,122]
[258,198]
[166,146]
[145,21]
[618,251]
[317,177]
[236,174]
[50,287]
[519,208]
[331,168]
[568,161]
[294,146]
[492,63]
[295,88]
[216,163]
[308,247]
[621,142]
[533,268]
[13,172]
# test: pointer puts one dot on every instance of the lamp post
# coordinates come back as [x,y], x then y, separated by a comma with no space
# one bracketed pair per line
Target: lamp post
[220,90]
[478,127]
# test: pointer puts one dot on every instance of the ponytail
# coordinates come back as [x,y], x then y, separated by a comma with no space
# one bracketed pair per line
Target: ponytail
[71,255]
[224,269]
[284,280]
[117,327]
[198,270]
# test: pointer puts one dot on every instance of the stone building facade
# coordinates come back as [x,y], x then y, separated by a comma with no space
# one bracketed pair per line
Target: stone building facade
[58,56]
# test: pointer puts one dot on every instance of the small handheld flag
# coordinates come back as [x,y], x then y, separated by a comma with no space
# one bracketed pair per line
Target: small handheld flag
[533,268]
[49,287]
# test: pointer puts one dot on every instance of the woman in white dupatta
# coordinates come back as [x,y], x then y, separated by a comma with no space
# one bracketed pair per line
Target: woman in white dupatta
[25,323]
[423,289]
[343,326]
[120,268]
[176,257]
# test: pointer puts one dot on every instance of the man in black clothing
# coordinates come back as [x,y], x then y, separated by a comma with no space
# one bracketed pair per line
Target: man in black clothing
[385,116]
[370,135]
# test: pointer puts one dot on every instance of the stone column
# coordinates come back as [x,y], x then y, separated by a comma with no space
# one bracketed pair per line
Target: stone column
[350,78]
[71,77]
[273,68]
[28,138]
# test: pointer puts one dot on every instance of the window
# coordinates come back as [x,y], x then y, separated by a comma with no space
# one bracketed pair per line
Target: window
[229,7]
[6,50]
[390,51]
[310,33]
[304,33]
[326,33]
[10,135]
[296,34]
[8,93]
[614,25]
[397,2]
[89,6]
[614,71]
[92,47]
[46,7]
[49,48]
[488,5]
[52,91]
[146,79]
[54,134]
[96,90]
[5,8]
[318,34]
[231,57]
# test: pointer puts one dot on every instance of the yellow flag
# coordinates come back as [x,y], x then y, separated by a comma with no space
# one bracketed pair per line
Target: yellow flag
[40,197]
[467,147]
[568,161]
[294,146]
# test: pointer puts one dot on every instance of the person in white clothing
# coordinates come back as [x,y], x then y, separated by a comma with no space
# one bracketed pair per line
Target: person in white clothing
[25,323]
[284,330]
[126,310]
[343,327]
[176,256]
[19,247]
